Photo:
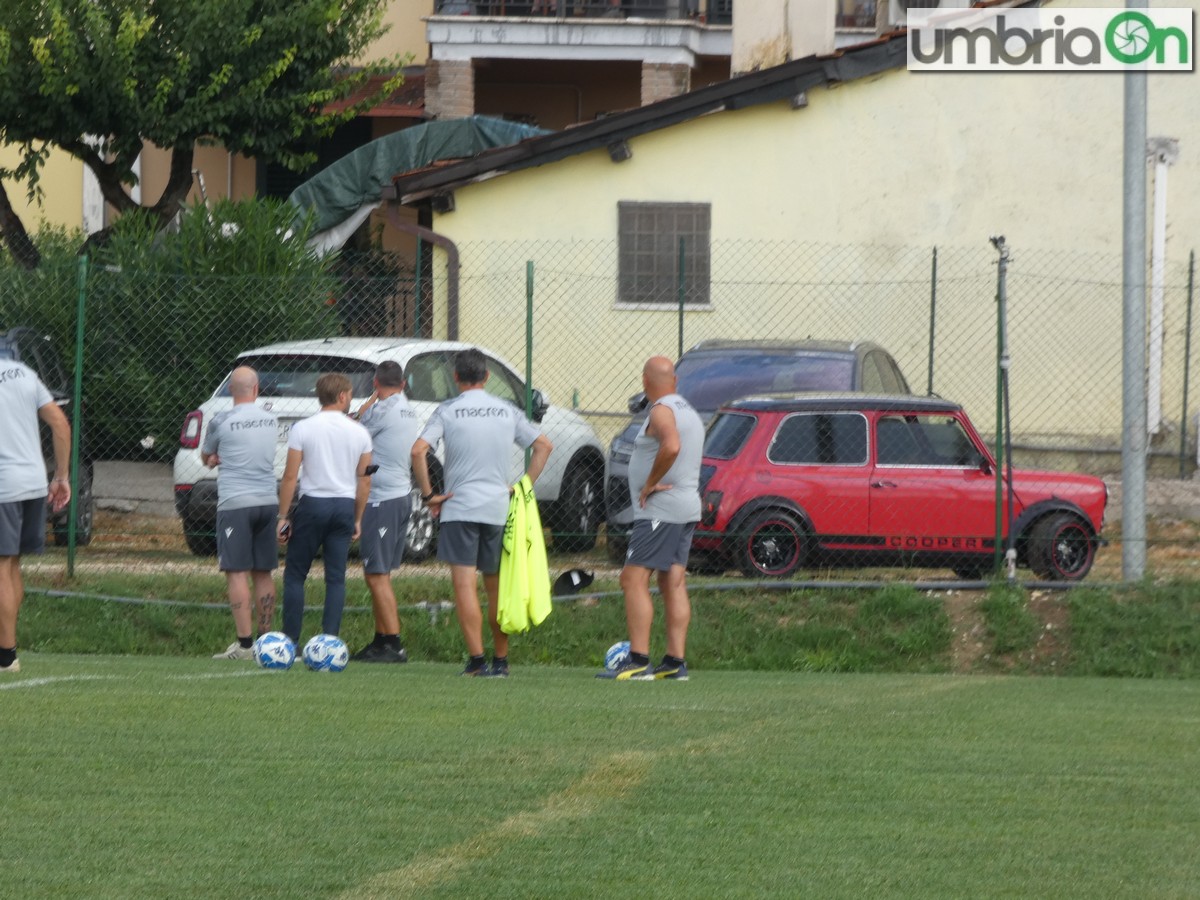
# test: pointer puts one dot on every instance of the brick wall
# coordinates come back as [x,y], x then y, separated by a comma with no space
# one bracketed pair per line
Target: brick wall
[663,80]
[449,89]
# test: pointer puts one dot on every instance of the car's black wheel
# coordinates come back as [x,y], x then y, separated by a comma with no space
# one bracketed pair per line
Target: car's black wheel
[771,544]
[85,512]
[975,570]
[575,518]
[421,536]
[201,539]
[1061,547]
[616,545]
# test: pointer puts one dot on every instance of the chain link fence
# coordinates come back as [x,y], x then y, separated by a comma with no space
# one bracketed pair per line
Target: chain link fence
[139,351]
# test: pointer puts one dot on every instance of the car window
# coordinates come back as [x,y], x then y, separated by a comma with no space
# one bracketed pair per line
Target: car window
[287,375]
[710,380]
[824,439]
[503,384]
[727,434]
[429,378]
[881,375]
[924,441]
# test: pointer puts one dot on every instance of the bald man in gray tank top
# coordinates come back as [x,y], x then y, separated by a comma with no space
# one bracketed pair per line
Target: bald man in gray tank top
[664,477]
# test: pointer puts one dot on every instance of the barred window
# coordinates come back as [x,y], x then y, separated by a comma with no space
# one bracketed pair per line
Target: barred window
[649,242]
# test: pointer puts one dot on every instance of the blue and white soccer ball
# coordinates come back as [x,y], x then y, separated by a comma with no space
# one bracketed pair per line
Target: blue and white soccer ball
[617,654]
[274,650]
[326,653]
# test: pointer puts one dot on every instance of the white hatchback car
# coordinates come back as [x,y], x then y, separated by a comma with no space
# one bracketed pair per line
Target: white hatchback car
[570,489]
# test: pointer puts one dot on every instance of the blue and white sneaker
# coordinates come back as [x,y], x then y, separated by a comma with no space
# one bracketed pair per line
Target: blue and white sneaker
[666,671]
[627,671]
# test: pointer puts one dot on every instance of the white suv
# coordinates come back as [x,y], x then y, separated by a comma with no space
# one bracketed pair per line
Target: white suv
[570,489]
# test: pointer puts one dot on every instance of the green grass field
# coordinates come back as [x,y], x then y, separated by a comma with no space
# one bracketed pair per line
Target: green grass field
[184,777]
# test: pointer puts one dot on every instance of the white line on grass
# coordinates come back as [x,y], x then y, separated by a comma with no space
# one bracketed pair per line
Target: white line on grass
[53,679]
[207,676]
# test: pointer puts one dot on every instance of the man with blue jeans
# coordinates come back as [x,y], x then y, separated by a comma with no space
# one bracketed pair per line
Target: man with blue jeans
[328,456]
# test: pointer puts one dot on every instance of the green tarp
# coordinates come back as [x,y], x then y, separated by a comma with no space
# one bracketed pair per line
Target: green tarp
[341,189]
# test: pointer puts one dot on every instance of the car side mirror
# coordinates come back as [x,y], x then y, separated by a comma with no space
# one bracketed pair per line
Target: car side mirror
[637,403]
[540,405]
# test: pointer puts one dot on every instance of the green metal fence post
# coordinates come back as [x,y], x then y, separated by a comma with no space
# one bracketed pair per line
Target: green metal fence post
[418,289]
[528,348]
[679,290]
[932,320]
[1187,360]
[76,415]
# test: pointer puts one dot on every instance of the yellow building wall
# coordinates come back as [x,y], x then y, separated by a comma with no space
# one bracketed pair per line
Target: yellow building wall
[877,171]
[62,184]
[406,34]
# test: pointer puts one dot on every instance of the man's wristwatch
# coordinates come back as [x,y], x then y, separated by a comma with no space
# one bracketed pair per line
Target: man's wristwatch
[425,498]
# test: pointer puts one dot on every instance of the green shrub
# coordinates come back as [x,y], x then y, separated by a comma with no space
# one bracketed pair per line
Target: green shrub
[166,313]
[1009,622]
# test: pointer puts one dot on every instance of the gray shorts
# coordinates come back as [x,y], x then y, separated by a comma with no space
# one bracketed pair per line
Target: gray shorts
[659,547]
[246,539]
[471,544]
[384,528]
[23,527]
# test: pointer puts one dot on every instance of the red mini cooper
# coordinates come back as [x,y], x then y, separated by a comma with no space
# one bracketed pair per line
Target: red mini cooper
[852,480]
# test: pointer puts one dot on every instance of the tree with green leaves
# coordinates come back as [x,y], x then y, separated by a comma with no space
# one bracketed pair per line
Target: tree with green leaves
[101,78]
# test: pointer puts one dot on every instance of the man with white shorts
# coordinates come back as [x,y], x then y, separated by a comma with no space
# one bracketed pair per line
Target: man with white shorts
[664,476]
[477,431]
[393,425]
[241,441]
[23,488]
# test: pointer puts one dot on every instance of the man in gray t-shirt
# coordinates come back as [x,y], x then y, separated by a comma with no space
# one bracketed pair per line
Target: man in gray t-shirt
[477,431]
[23,489]
[393,425]
[242,441]
[664,480]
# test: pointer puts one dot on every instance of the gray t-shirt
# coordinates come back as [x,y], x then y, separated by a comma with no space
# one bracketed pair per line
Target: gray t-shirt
[393,425]
[478,431]
[244,438]
[681,504]
[22,468]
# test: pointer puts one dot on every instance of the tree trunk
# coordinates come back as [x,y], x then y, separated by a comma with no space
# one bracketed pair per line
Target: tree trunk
[14,235]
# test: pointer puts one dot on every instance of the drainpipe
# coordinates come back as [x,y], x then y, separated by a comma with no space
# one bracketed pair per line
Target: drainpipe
[438,240]
[1163,151]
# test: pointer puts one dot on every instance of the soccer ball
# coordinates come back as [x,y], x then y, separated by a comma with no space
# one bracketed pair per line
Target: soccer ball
[274,650]
[617,654]
[326,653]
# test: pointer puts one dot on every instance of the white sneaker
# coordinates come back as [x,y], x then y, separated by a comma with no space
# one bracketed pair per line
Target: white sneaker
[13,669]
[235,651]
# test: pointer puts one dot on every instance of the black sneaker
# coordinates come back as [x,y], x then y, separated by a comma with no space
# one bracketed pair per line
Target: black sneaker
[476,670]
[666,671]
[627,671]
[381,653]
[499,668]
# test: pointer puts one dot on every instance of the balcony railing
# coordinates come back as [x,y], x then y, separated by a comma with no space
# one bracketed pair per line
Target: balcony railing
[714,12]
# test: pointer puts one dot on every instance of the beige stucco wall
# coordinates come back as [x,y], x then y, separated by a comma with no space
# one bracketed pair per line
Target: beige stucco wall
[767,33]
[877,173]
[406,34]
[62,184]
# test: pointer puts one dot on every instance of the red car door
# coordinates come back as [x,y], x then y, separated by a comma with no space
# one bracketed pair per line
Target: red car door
[929,489]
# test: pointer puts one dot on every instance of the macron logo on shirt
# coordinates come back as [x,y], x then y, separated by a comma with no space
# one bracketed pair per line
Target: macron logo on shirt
[476,412]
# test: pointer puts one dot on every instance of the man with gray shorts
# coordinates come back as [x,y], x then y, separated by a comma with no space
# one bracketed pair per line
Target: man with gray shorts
[242,441]
[23,488]
[664,476]
[393,425]
[477,431]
